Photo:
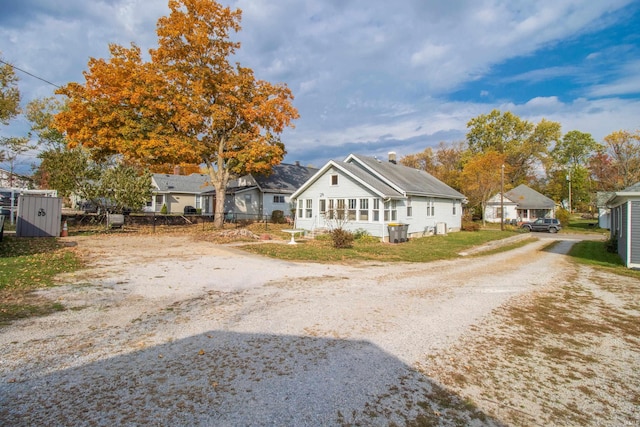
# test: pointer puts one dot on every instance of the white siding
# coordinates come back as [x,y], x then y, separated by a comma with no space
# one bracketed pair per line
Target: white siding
[269,205]
[420,222]
[245,204]
[604,218]
[492,211]
[345,189]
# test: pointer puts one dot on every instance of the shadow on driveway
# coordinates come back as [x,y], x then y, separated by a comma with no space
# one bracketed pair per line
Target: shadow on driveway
[236,379]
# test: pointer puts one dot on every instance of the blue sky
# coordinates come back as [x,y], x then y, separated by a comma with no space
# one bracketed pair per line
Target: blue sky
[370,76]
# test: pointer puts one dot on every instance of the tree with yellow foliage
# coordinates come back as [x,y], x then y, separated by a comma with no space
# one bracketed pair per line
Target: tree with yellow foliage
[623,147]
[481,178]
[188,104]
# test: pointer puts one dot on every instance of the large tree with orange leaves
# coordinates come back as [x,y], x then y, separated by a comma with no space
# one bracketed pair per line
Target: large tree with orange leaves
[188,104]
[481,178]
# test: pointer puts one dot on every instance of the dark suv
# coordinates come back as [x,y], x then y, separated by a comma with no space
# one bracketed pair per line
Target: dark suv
[551,225]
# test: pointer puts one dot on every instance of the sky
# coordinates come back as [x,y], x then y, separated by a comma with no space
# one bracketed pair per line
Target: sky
[373,76]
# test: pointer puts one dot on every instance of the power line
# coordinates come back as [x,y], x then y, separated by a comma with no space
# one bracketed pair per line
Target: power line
[32,75]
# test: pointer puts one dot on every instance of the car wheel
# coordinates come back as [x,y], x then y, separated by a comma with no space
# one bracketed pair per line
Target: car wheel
[553,230]
[527,229]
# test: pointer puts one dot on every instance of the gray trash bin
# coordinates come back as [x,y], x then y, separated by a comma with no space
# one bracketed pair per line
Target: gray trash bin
[398,233]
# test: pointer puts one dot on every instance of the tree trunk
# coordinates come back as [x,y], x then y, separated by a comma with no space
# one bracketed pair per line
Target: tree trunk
[218,209]
[219,178]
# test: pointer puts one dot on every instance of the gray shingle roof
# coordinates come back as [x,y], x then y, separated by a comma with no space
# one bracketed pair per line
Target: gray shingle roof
[194,183]
[382,188]
[635,188]
[528,198]
[410,181]
[602,197]
[285,178]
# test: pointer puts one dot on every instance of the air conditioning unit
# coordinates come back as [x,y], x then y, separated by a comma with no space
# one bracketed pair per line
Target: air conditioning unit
[441,228]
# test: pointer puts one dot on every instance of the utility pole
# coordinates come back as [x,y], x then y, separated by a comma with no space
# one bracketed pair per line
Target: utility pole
[569,179]
[502,198]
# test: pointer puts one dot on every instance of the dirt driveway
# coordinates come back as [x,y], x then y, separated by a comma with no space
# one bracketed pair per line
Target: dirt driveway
[166,330]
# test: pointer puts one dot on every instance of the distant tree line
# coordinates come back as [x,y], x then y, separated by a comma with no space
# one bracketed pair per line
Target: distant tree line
[535,154]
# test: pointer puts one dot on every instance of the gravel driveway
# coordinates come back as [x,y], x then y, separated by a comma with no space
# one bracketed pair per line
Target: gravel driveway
[163,330]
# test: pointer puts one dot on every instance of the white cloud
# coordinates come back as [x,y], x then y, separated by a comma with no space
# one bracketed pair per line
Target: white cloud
[361,71]
[627,82]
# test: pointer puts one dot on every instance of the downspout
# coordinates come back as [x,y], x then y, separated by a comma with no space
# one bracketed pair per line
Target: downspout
[388,199]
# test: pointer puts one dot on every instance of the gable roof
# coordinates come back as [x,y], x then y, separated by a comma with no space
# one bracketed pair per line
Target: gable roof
[388,180]
[633,191]
[285,178]
[528,198]
[635,188]
[602,197]
[404,179]
[195,183]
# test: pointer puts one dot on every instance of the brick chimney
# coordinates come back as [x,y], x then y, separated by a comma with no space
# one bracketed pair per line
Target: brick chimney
[392,157]
[176,170]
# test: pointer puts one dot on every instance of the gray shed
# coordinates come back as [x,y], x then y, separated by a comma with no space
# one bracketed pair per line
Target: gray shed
[38,216]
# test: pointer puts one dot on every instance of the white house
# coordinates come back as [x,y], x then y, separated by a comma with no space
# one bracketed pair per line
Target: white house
[604,212]
[367,193]
[520,204]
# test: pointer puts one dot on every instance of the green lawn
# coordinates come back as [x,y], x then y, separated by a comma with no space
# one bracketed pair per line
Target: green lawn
[595,254]
[580,225]
[27,264]
[416,250]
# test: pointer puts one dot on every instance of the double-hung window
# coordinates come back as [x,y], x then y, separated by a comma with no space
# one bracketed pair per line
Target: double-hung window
[431,209]
[390,210]
[376,210]
[364,209]
[340,209]
[351,213]
[331,213]
[309,208]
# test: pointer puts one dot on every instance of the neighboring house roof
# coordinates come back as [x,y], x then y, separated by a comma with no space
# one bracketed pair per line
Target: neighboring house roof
[18,181]
[195,183]
[284,178]
[602,197]
[633,191]
[528,198]
[389,180]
